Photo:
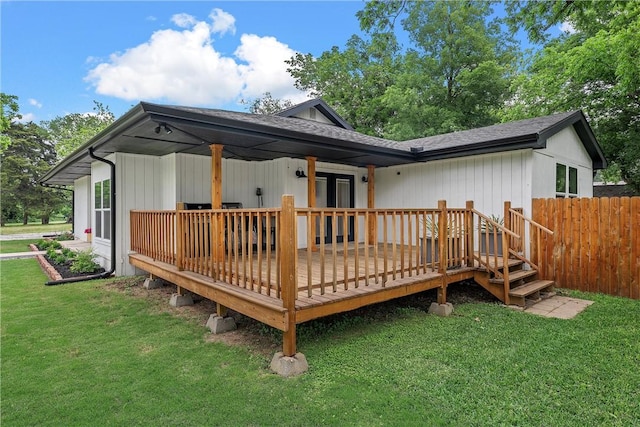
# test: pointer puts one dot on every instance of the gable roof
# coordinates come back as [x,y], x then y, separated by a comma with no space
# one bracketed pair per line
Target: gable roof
[264,137]
[520,134]
[319,105]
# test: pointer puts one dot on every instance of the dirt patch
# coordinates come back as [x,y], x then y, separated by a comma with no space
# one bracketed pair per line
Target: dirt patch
[263,340]
[64,270]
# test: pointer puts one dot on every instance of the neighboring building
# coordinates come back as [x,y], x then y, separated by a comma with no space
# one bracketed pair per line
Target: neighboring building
[161,155]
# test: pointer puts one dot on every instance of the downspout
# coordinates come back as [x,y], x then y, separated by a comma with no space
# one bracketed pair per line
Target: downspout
[106,274]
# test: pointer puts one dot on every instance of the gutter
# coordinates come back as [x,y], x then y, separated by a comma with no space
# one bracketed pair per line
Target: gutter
[109,273]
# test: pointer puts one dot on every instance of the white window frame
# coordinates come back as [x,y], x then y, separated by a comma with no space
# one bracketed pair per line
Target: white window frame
[102,209]
[563,188]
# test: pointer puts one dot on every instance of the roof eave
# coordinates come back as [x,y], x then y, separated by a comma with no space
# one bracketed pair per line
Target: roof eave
[117,127]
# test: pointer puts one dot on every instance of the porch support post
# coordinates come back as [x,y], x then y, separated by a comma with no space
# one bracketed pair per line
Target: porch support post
[371,204]
[288,274]
[469,234]
[216,200]
[216,176]
[311,196]
[443,246]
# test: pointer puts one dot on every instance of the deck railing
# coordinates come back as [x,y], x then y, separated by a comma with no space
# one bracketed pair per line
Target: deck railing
[153,234]
[349,248]
[359,247]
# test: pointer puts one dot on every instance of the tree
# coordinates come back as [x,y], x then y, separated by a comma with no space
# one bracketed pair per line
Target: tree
[352,80]
[72,130]
[9,113]
[267,104]
[29,155]
[595,68]
[454,75]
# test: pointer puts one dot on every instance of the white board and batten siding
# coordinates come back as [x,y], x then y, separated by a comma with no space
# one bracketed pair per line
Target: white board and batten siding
[487,179]
[82,203]
[565,148]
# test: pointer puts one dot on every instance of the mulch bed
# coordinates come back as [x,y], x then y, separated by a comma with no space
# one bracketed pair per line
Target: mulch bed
[65,270]
[57,271]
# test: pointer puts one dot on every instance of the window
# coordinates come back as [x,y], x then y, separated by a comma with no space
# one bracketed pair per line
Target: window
[566,175]
[102,205]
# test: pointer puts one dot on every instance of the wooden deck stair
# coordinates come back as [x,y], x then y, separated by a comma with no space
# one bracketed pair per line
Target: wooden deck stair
[525,288]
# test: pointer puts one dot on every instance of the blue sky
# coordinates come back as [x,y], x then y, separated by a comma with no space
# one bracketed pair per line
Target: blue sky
[60,56]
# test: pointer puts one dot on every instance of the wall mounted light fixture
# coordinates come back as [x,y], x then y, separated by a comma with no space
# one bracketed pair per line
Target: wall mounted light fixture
[364,178]
[164,126]
[300,173]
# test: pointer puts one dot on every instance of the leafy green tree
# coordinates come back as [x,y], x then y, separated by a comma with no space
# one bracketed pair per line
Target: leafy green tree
[72,130]
[29,155]
[454,75]
[595,68]
[9,113]
[353,80]
[267,104]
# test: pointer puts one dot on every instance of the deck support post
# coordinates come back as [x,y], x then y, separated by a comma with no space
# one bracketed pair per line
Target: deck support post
[221,310]
[179,237]
[468,227]
[371,204]
[288,274]
[443,249]
[287,362]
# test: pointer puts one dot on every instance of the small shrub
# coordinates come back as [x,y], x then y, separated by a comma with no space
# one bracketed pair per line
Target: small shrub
[46,244]
[84,262]
[68,253]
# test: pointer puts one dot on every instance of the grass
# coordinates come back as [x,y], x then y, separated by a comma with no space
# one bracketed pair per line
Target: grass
[54,227]
[78,353]
[10,246]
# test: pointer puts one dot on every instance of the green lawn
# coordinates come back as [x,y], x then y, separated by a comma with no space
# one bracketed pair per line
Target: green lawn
[56,227]
[83,354]
[10,246]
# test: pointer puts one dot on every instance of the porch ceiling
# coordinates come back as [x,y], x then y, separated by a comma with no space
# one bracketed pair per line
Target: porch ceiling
[244,136]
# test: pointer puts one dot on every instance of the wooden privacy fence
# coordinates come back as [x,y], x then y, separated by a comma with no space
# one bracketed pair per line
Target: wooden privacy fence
[595,246]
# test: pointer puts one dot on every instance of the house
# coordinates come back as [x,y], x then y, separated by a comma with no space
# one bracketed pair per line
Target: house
[162,156]
[321,219]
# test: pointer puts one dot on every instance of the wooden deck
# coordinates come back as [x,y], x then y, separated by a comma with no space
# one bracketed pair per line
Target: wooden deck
[247,259]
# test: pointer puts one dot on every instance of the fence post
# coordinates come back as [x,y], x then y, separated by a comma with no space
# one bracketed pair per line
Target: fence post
[469,244]
[288,275]
[179,237]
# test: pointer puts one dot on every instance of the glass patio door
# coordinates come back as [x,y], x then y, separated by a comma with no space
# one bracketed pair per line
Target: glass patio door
[335,191]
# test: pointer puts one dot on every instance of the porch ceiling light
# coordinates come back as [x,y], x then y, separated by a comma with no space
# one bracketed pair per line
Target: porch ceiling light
[164,126]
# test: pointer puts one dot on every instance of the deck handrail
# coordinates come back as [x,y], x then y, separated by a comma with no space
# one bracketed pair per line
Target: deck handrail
[535,235]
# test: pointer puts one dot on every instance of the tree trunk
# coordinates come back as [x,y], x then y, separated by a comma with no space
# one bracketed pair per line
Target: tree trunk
[25,218]
[45,220]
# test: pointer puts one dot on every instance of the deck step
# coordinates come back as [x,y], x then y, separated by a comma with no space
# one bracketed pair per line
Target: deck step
[515,276]
[531,288]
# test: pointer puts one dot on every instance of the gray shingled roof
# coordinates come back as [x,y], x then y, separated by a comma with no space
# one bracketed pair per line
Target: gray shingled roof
[262,137]
[501,132]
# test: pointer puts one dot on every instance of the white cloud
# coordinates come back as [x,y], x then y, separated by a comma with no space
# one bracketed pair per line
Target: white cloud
[223,22]
[182,66]
[184,20]
[567,27]
[35,103]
